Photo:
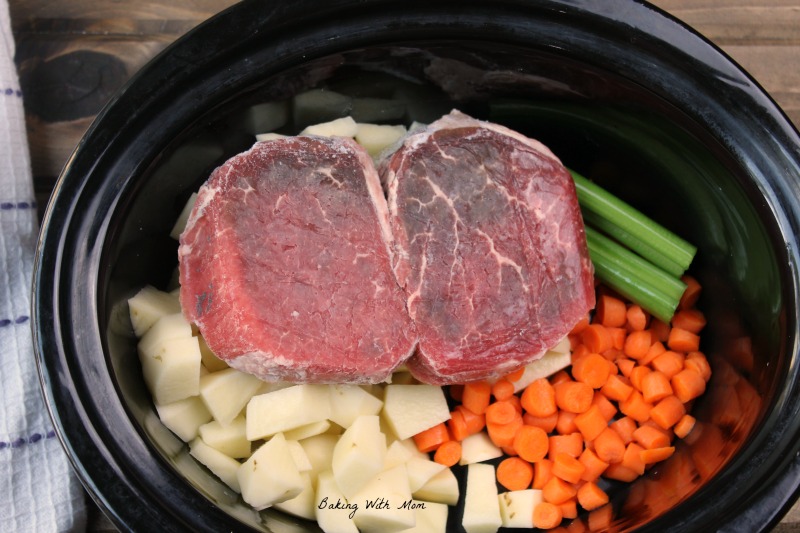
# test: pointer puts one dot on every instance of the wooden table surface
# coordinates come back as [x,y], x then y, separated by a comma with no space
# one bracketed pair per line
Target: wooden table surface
[73,55]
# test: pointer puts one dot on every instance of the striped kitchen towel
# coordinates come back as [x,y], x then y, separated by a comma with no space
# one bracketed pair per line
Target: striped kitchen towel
[38,490]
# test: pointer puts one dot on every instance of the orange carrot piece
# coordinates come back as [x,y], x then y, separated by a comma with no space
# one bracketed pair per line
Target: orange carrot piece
[631,458]
[637,343]
[668,412]
[698,362]
[620,473]
[684,426]
[458,426]
[688,384]
[475,423]
[501,412]
[571,444]
[531,443]
[624,427]
[691,294]
[591,422]
[592,369]
[681,340]
[568,468]
[692,320]
[580,326]
[597,338]
[566,423]
[559,377]
[573,396]
[569,509]
[650,437]
[608,409]
[656,349]
[448,453]
[593,465]
[669,362]
[546,515]
[590,496]
[556,490]
[515,375]
[655,386]
[502,435]
[637,374]
[547,423]
[477,396]
[608,446]
[625,366]
[660,330]
[610,311]
[636,318]
[618,336]
[579,351]
[502,389]
[514,473]
[516,402]
[430,439]
[617,388]
[542,472]
[539,398]
[655,455]
[635,407]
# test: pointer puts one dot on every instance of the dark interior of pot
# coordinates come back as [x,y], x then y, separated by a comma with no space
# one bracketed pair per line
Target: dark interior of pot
[609,128]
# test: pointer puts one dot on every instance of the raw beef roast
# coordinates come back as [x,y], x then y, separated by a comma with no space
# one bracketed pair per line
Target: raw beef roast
[285,265]
[489,247]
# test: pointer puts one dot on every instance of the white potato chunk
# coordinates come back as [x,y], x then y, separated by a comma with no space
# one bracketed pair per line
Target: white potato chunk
[221,465]
[166,328]
[420,471]
[441,488]
[171,369]
[148,305]
[230,438]
[516,507]
[320,105]
[269,136]
[226,393]
[301,460]
[396,454]
[309,430]
[265,117]
[211,362]
[385,503]
[183,217]
[184,417]
[285,409]
[481,506]
[319,450]
[333,512]
[430,517]
[375,138]
[301,505]
[340,127]
[358,455]
[555,359]
[270,475]
[410,409]
[348,402]
[477,448]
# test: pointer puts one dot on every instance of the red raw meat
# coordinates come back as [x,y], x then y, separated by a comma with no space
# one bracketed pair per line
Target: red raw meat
[489,247]
[285,265]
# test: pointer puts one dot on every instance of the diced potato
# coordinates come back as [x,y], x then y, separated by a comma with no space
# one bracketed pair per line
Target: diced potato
[430,517]
[270,475]
[420,471]
[481,505]
[286,409]
[516,507]
[340,127]
[319,105]
[223,466]
[171,369]
[375,138]
[477,448]
[301,505]
[230,438]
[269,136]
[410,409]
[348,402]
[184,417]
[550,363]
[387,504]
[166,328]
[227,392]
[265,117]
[441,488]
[210,361]
[333,512]
[148,305]
[309,430]
[359,455]
[180,223]
[301,460]
[319,450]
[396,454]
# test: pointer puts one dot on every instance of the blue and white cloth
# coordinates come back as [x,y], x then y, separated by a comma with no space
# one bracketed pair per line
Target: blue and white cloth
[38,490]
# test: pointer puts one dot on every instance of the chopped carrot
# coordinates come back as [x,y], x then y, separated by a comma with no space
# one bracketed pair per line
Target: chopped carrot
[573,396]
[547,423]
[610,311]
[501,412]
[542,472]
[514,473]
[631,458]
[590,496]
[546,515]
[688,384]
[539,398]
[691,293]
[569,509]
[668,412]
[697,361]
[635,407]
[593,465]
[567,467]
[611,355]
[625,366]
[660,330]
[617,388]
[597,338]
[592,369]
[591,422]
[566,423]
[607,408]
[516,375]
[683,341]
[556,490]
[637,374]
[624,427]
[669,362]
[458,426]
[637,343]
[691,320]
[579,351]
[571,444]
[510,451]
[516,402]
[684,426]
[654,455]
[477,396]
[608,446]
[430,439]
[475,423]
[650,437]
[636,318]
[531,443]
[620,473]
[580,325]
[560,377]
[502,389]
[618,336]
[503,434]
[655,386]
[656,349]
[448,453]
